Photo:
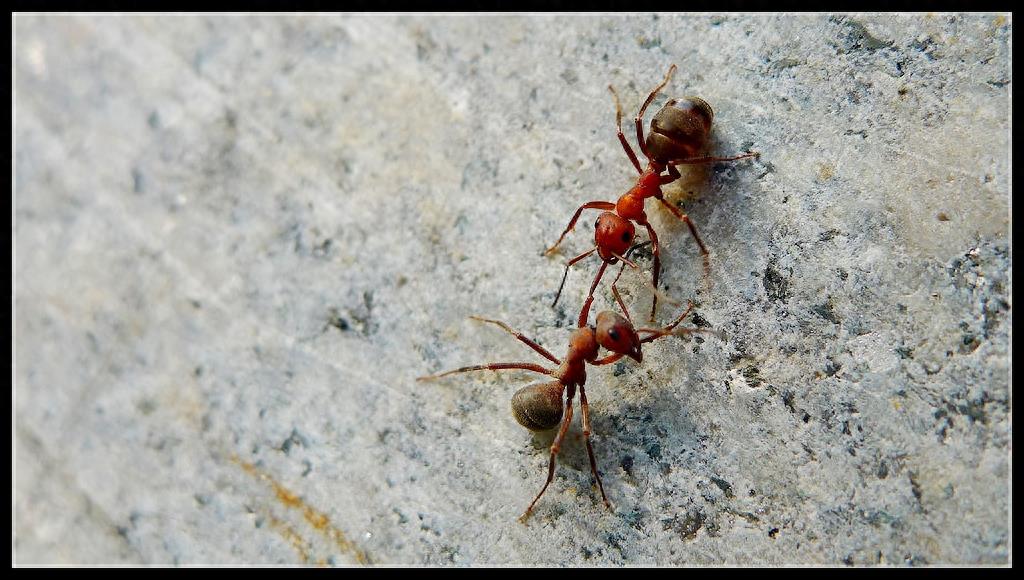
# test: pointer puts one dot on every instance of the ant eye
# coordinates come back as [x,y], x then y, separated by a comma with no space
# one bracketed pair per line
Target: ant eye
[614,334]
[625,236]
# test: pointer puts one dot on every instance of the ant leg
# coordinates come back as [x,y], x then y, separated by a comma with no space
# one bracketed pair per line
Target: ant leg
[618,298]
[622,138]
[608,359]
[590,449]
[540,349]
[699,160]
[639,120]
[689,223]
[659,332]
[693,231]
[615,288]
[656,333]
[657,265]
[585,312]
[673,174]
[555,447]
[493,367]
[605,205]
[566,274]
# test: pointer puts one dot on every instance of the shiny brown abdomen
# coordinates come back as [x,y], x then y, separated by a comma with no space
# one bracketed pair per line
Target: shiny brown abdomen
[680,130]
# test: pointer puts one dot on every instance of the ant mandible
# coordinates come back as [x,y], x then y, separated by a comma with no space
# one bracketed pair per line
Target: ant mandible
[679,133]
[539,407]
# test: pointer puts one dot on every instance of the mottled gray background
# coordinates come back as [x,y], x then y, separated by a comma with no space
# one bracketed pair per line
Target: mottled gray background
[240,239]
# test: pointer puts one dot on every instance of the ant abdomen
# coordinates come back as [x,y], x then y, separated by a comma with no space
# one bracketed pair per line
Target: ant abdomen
[680,130]
[538,407]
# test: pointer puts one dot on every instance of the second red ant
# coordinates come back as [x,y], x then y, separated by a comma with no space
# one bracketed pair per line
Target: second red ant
[540,407]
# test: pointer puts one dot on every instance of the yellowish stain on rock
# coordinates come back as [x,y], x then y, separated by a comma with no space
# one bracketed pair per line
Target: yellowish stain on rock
[319,520]
[825,171]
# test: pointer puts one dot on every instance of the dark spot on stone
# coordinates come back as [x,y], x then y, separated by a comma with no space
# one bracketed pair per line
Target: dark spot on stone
[773,532]
[843,275]
[620,369]
[402,519]
[153,120]
[828,235]
[826,311]
[848,560]
[294,439]
[915,488]
[654,451]
[753,375]
[146,406]
[857,36]
[699,320]
[905,352]
[138,182]
[688,526]
[648,43]
[198,371]
[807,417]
[942,217]
[334,319]
[883,470]
[787,399]
[723,485]
[627,464]
[832,367]
[775,285]
[969,343]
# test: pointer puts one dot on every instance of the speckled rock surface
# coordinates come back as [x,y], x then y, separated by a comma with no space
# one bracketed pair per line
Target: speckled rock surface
[241,238]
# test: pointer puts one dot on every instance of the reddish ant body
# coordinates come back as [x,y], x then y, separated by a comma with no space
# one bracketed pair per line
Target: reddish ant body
[539,407]
[679,133]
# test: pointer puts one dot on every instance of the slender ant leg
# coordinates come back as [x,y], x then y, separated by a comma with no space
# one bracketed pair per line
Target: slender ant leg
[585,312]
[590,448]
[639,120]
[657,265]
[689,223]
[493,367]
[540,349]
[699,160]
[605,205]
[555,447]
[566,274]
[622,138]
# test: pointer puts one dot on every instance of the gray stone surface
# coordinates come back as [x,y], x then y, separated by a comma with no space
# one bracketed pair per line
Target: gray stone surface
[241,238]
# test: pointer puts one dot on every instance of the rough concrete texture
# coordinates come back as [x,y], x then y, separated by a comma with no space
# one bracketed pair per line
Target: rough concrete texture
[241,238]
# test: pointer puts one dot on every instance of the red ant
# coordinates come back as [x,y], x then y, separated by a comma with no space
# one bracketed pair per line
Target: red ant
[679,133]
[539,407]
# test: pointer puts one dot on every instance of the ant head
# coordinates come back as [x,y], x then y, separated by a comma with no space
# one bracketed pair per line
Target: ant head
[617,335]
[613,235]
[583,342]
